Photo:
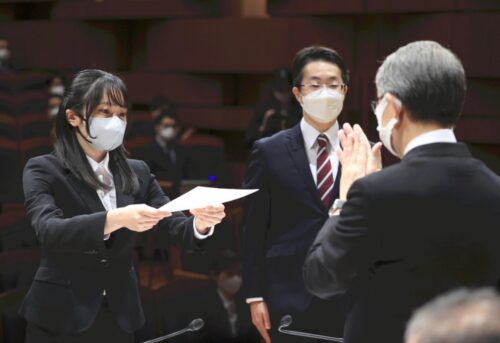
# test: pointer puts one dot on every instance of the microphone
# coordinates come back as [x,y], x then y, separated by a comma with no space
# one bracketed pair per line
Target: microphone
[195,325]
[287,320]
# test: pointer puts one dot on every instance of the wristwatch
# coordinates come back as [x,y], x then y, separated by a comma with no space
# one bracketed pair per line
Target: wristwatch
[337,205]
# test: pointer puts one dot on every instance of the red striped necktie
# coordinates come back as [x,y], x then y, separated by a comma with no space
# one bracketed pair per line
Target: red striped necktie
[324,172]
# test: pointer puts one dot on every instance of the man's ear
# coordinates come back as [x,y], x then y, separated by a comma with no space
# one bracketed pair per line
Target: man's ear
[397,108]
[72,118]
[296,93]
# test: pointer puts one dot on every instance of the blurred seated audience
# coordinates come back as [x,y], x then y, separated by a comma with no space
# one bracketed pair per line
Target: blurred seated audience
[220,305]
[6,64]
[164,156]
[277,109]
[206,158]
[56,85]
[461,316]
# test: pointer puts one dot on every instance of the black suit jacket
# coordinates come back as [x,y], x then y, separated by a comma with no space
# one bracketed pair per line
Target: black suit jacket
[217,329]
[281,221]
[407,234]
[162,165]
[76,265]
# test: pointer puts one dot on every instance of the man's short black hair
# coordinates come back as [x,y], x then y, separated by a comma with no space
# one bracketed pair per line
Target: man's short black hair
[313,54]
[167,113]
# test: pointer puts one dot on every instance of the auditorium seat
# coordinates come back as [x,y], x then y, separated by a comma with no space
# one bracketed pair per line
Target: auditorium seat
[65,44]
[269,43]
[12,327]
[182,89]
[313,7]
[216,118]
[18,267]
[133,9]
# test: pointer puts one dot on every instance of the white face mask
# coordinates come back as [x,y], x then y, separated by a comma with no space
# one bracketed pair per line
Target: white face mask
[323,105]
[107,132]
[4,54]
[57,90]
[230,285]
[53,112]
[168,133]
[385,133]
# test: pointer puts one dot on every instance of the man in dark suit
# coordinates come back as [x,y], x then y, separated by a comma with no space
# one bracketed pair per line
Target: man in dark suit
[416,229]
[221,306]
[164,156]
[297,174]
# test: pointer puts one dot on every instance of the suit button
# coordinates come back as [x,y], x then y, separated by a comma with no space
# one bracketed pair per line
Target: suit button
[104,262]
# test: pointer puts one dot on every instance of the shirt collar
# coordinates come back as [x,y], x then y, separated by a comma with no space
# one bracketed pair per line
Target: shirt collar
[104,163]
[434,136]
[161,142]
[311,134]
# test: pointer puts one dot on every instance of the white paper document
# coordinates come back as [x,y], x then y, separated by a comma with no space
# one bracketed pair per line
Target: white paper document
[200,197]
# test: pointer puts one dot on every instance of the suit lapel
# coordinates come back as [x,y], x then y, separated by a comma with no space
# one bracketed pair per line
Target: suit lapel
[122,199]
[299,156]
[88,195]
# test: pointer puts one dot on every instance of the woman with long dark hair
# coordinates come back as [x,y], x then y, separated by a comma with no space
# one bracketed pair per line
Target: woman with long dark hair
[87,202]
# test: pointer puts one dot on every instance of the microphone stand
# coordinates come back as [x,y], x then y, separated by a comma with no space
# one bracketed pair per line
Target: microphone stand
[286,321]
[195,325]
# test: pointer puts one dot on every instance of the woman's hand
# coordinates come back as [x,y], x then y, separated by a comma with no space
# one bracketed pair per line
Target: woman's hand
[137,217]
[207,217]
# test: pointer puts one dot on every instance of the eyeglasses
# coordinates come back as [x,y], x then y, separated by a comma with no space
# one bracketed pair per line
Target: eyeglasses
[331,86]
[374,103]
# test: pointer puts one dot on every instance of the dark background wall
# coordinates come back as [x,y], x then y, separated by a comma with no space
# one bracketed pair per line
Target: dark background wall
[211,57]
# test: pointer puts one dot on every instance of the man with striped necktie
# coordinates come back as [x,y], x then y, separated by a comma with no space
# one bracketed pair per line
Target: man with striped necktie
[298,173]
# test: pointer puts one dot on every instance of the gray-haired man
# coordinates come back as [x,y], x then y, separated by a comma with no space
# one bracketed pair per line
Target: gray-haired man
[420,227]
[461,316]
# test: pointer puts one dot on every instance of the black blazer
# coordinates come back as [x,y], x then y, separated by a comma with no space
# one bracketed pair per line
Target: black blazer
[77,265]
[281,221]
[406,234]
[217,329]
[162,165]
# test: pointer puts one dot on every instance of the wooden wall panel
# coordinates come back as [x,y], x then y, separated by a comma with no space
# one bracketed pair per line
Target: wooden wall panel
[315,7]
[240,45]
[180,88]
[134,9]
[63,45]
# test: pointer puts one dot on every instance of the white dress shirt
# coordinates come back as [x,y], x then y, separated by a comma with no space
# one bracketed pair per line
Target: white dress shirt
[434,136]
[310,135]
[230,306]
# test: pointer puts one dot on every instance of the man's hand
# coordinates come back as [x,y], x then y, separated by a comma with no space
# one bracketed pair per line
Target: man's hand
[356,156]
[261,319]
[207,217]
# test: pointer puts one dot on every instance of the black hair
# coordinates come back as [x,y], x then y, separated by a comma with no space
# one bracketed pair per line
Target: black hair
[313,54]
[166,113]
[83,97]
[160,102]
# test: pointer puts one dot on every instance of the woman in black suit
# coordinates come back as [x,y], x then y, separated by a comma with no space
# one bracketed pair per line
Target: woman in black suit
[87,202]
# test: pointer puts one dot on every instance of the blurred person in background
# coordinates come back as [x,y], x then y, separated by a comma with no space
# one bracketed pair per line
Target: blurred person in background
[222,307]
[277,109]
[6,64]
[164,156]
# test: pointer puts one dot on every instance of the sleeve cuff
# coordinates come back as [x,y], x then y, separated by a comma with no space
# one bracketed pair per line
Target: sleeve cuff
[199,235]
[253,300]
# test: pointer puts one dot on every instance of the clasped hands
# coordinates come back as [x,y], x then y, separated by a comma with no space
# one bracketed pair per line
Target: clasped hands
[357,157]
